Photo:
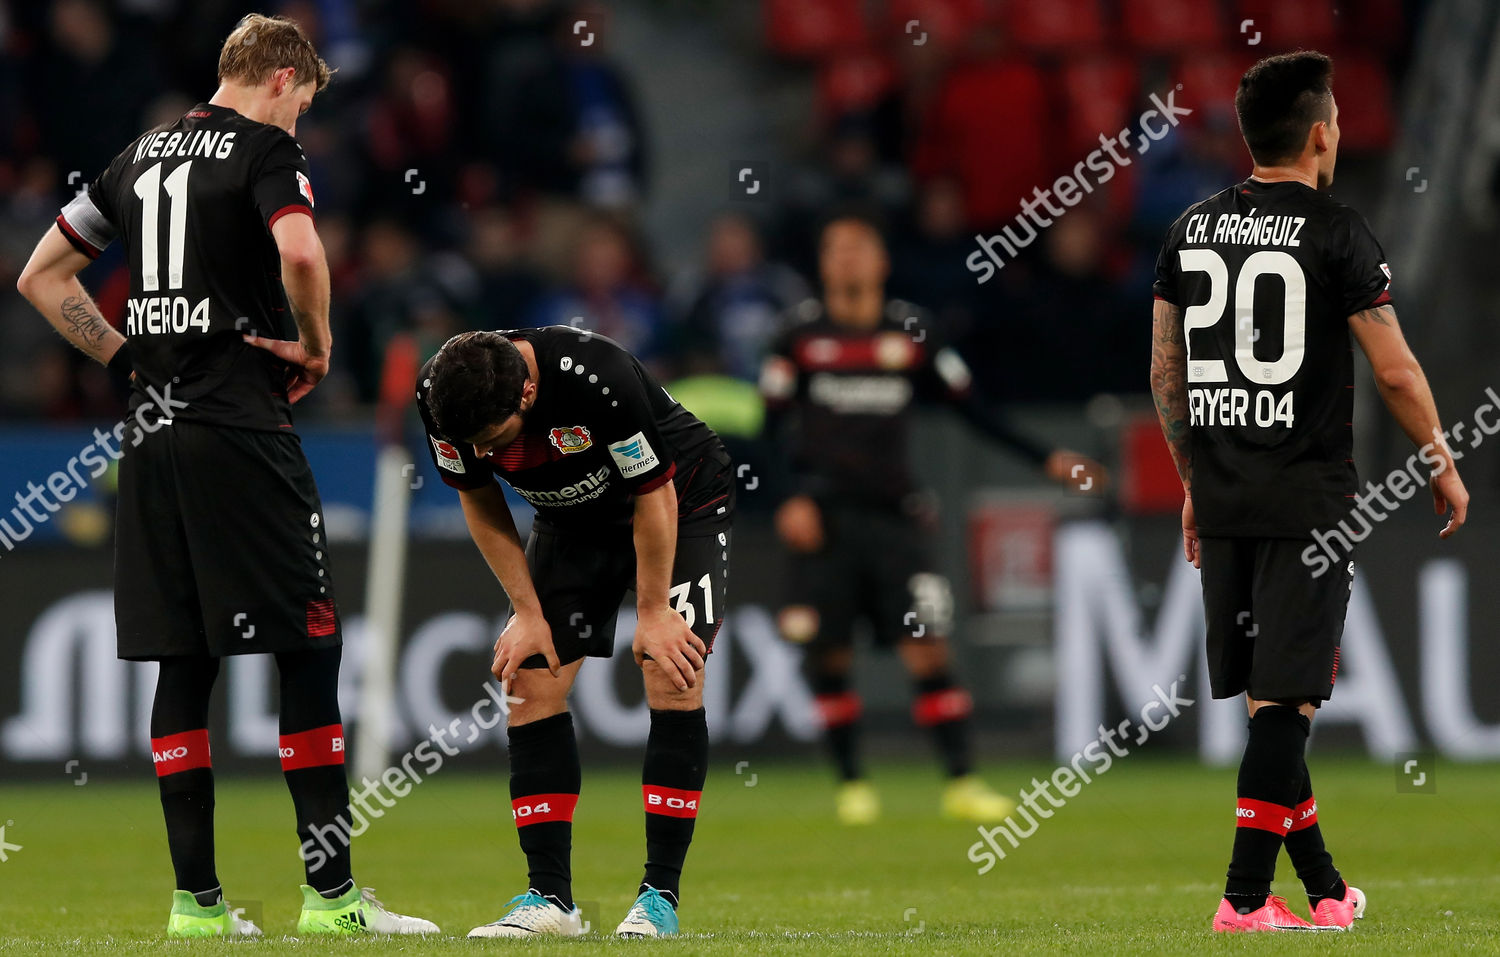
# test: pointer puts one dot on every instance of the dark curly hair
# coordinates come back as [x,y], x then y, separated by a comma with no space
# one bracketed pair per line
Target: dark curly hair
[477,378]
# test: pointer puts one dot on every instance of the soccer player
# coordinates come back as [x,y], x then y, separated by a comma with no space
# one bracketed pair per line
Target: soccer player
[839,385]
[631,493]
[1258,289]
[219,544]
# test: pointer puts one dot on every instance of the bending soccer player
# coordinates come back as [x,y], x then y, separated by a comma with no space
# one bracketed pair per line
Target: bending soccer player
[839,385]
[219,546]
[631,493]
[1258,289]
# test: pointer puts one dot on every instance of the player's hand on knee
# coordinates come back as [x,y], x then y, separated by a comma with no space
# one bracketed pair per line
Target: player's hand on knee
[664,636]
[524,636]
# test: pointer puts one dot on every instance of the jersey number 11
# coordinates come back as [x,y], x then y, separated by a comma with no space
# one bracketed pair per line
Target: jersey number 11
[148,186]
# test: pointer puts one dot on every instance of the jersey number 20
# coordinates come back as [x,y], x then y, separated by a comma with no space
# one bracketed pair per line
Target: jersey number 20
[1206,316]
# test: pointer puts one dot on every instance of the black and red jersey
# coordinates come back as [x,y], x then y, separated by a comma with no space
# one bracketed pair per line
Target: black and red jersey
[194,201]
[839,401]
[1267,276]
[601,432]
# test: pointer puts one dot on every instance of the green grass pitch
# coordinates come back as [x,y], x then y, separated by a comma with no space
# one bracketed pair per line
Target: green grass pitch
[1133,864]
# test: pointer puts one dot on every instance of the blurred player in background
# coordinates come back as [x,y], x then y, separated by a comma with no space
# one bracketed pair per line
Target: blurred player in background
[632,493]
[839,385]
[1258,288]
[219,546]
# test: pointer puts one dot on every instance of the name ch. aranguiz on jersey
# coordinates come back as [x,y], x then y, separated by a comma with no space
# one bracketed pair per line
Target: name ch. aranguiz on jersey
[1252,230]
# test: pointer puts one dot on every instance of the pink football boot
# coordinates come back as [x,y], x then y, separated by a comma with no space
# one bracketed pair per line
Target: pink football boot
[1332,913]
[1274,915]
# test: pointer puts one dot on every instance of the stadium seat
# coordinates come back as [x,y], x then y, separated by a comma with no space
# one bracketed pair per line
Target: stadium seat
[1362,87]
[811,29]
[1287,24]
[1172,25]
[1056,25]
[948,21]
[1210,81]
[1098,93]
[989,126]
[854,82]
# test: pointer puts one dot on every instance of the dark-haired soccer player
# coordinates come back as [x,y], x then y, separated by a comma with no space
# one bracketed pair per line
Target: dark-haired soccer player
[1258,288]
[631,493]
[219,546]
[839,386]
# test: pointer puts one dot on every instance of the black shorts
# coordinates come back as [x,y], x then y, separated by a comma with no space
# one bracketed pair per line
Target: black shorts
[874,567]
[581,579]
[1273,628]
[219,545]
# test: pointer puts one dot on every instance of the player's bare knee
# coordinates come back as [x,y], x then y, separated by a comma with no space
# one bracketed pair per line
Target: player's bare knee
[534,694]
[1305,707]
[662,693]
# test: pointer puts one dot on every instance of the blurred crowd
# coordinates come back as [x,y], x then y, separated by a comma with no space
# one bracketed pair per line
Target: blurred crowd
[477,165]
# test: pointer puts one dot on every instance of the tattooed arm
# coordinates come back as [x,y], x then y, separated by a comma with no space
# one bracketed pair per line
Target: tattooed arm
[1169,385]
[1169,389]
[50,283]
[1404,389]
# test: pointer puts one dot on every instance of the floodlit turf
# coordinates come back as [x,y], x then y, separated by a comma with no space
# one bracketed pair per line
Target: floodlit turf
[1133,864]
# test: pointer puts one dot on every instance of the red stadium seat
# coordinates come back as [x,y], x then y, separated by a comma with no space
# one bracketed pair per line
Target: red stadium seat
[1172,25]
[1209,82]
[989,127]
[1055,25]
[946,20]
[1362,87]
[1098,94]
[854,82]
[811,29]
[1286,24]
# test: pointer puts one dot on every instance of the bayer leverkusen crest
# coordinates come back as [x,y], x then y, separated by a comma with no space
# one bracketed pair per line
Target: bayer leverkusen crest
[572,439]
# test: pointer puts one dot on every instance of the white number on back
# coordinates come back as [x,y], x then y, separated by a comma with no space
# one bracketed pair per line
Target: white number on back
[1294,314]
[148,186]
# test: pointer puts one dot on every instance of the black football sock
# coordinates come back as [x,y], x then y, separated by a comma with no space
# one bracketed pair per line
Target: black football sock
[184,774]
[312,761]
[945,708]
[334,893]
[839,710]
[1271,775]
[671,786]
[545,777]
[1304,845]
[209,898]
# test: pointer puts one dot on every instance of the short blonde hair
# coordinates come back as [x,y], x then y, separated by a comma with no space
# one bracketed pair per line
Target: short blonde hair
[261,45]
